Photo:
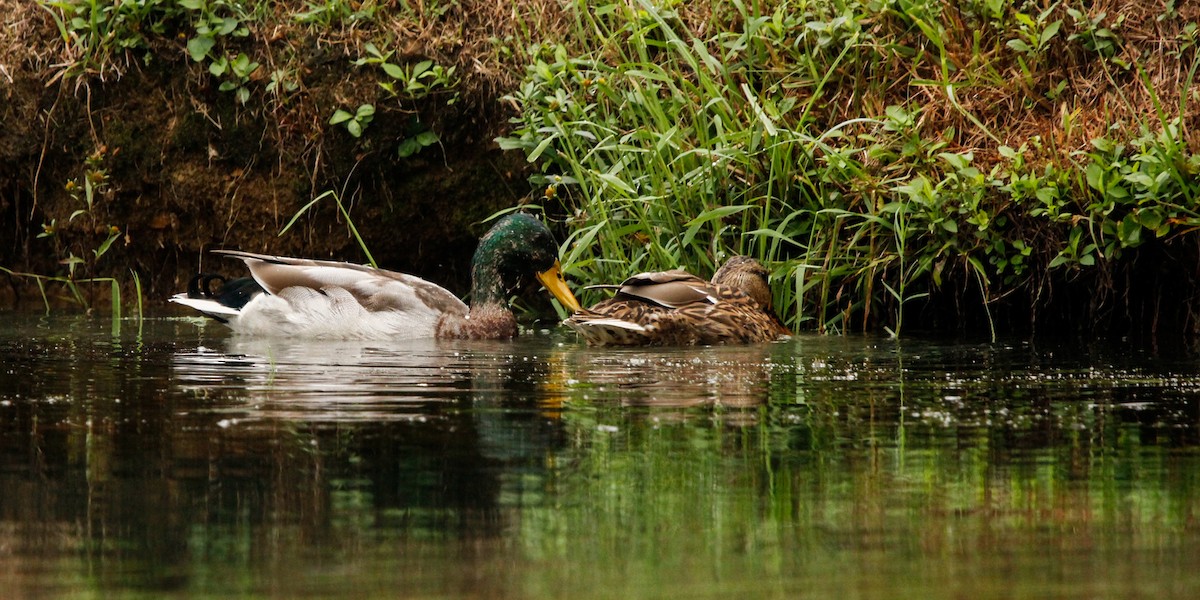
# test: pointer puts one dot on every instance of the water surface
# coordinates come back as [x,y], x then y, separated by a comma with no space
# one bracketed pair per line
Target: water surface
[175,460]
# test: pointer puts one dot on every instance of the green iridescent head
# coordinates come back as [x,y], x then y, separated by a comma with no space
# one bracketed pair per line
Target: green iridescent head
[516,248]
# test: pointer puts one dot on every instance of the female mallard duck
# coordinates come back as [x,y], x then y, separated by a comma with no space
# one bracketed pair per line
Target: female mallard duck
[678,308]
[295,297]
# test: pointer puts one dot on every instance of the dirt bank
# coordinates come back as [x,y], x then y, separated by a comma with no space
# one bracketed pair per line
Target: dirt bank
[148,149]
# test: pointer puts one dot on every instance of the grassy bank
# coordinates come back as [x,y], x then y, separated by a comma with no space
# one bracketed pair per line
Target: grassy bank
[985,165]
[888,159]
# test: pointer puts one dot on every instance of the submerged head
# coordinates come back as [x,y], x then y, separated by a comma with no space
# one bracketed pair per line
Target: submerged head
[748,276]
[516,247]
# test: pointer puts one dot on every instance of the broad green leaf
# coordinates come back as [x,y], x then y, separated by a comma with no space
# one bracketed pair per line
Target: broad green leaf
[407,148]
[1019,46]
[1095,176]
[240,63]
[539,149]
[507,143]
[1049,32]
[199,46]
[105,245]
[228,24]
[218,67]
[393,71]
[1130,231]
[427,138]
[1150,218]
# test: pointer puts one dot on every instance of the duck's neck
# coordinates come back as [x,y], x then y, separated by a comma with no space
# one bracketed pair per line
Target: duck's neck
[486,287]
[489,317]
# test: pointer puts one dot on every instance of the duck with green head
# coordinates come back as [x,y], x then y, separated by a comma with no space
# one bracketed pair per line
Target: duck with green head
[293,297]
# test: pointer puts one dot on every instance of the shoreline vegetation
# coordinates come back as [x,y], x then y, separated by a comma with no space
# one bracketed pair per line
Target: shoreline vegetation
[985,166]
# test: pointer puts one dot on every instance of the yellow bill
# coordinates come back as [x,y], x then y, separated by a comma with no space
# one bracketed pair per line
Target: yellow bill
[553,280]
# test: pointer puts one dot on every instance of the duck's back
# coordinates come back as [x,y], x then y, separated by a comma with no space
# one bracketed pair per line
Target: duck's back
[327,300]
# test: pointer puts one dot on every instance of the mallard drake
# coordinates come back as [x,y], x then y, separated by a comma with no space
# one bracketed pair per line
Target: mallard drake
[678,308]
[294,297]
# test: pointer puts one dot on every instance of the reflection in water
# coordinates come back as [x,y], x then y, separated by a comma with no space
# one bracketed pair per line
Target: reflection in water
[324,381]
[186,461]
[707,376]
[439,417]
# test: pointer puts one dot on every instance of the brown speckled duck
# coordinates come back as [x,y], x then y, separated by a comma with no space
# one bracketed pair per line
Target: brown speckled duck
[301,298]
[678,308]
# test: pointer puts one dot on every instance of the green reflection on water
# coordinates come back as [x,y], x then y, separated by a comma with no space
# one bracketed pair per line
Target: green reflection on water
[187,464]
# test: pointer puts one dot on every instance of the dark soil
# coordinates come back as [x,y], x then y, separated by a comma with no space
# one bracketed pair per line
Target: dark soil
[187,169]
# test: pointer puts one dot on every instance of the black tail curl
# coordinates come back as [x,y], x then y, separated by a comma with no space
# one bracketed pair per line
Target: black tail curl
[234,293]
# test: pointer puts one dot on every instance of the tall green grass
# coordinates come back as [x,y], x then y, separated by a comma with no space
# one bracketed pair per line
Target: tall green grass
[802,134]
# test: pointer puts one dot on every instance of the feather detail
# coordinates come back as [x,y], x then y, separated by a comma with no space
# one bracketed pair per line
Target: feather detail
[677,308]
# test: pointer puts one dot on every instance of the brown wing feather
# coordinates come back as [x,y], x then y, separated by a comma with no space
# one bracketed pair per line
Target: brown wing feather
[669,293]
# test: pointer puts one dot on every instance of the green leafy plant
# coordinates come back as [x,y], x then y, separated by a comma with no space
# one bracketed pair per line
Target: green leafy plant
[411,81]
[1034,37]
[670,149]
[417,137]
[415,143]
[90,239]
[1095,37]
[236,74]
[355,122]
[213,21]
[99,33]
[282,81]
[333,12]
[1035,33]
